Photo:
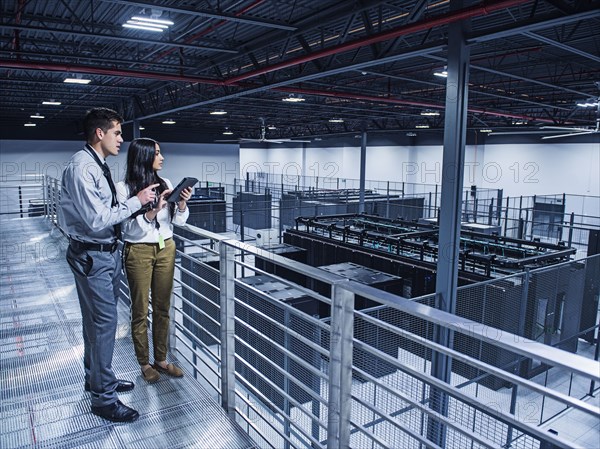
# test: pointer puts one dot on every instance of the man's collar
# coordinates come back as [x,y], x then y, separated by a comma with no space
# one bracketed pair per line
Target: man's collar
[100,157]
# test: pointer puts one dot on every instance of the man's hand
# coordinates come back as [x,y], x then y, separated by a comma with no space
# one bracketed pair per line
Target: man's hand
[148,195]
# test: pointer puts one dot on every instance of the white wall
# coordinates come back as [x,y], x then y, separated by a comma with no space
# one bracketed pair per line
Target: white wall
[542,169]
[519,169]
[207,162]
[533,169]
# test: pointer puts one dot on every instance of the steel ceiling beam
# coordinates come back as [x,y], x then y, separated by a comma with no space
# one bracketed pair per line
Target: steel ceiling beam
[462,14]
[562,46]
[73,33]
[69,68]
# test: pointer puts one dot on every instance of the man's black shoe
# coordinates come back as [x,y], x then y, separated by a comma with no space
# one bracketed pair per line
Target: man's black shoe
[116,412]
[122,386]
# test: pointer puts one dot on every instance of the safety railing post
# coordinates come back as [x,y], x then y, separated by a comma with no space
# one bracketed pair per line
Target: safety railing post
[227,322]
[340,367]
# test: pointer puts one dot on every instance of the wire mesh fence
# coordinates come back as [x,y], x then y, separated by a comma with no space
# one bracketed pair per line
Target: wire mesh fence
[285,361]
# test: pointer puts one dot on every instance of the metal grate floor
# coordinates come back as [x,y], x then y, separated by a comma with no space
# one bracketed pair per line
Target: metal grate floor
[43,404]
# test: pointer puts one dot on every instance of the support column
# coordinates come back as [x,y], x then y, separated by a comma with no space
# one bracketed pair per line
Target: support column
[363,165]
[340,367]
[227,322]
[450,211]
[136,129]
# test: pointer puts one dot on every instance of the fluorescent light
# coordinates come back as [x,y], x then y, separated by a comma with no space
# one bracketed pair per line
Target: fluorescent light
[227,133]
[430,113]
[77,80]
[293,99]
[169,122]
[142,27]
[588,104]
[52,103]
[336,120]
[485,131]
[141,128]
[422,126]
[151,20]
[37,116]
[271,127]
[29,124]
[146,24]
[218,112]
[443,74]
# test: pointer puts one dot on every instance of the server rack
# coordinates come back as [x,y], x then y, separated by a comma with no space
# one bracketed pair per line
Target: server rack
[497,306]
[252,210]
[266,337]
[284,250]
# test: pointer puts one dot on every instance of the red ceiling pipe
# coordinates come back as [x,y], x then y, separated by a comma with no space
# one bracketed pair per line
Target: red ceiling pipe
[11,63]
[130,73]
[426,24]
[325,93]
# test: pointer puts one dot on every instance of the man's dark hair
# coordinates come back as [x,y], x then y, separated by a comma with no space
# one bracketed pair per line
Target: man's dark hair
[99,118]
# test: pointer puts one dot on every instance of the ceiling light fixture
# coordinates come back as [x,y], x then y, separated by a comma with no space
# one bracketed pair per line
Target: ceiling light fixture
[29,124]
[422,126]
[218,112]
[271,127]
[37,115]
[293,98]
[77,80]
[149,23]
[485,131]
[442,73]
[336,120]
[153,20]
[169,122]
[143,26]
[589,103]
[227,133]
[141,128]
[52,103]
[430,113]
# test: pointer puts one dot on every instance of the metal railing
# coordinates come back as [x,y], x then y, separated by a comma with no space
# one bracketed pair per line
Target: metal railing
[346,365]
[341,377]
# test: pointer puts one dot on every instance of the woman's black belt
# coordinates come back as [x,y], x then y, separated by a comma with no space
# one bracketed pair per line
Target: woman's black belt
[85,246]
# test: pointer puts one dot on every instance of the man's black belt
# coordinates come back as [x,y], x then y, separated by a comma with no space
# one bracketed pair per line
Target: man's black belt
[85,246]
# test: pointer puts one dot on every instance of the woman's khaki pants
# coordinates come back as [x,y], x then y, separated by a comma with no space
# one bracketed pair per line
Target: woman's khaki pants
[150,269]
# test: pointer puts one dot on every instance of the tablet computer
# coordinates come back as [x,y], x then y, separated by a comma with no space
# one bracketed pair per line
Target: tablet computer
[184,184]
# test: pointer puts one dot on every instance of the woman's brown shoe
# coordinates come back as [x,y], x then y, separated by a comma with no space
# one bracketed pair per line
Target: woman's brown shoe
[170,370]
[150,375]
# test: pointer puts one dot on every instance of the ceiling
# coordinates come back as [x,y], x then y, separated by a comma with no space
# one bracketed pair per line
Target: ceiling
[368,62]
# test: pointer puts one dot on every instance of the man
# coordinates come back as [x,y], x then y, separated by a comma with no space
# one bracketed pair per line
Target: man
[90,215]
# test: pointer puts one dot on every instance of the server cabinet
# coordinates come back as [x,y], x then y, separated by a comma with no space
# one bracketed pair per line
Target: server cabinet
[284,250]
[252,210]
[365,331]
[590,309]
[553,310]
[266,337]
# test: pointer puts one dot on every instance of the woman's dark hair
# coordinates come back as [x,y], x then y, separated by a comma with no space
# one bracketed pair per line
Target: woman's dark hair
[139,173]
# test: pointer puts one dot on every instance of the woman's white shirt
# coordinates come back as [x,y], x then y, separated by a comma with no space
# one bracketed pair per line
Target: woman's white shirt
[140,230]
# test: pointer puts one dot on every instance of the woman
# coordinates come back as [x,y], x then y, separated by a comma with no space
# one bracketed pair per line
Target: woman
[149,255]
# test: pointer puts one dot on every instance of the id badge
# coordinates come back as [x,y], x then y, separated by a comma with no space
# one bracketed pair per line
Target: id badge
[161,242]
